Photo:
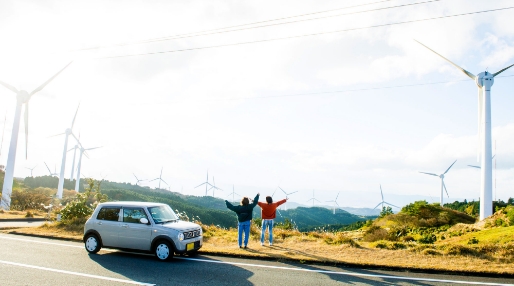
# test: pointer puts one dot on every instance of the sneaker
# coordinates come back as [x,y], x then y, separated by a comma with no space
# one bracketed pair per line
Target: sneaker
[240,246]
[262,244]
[245,246]
[270,244]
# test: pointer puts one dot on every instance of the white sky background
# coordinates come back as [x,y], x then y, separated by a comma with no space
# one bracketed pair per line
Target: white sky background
[239,112]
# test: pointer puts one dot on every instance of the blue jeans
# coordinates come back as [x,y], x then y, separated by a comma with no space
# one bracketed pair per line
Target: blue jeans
[243,226]
[267,223]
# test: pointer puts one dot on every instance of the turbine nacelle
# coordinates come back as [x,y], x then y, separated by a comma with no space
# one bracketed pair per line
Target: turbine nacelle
[484,79]
[23,96]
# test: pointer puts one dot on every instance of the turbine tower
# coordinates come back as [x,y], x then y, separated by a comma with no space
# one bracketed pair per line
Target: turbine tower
[160,179]
[233,193]
[335,202]
[22,97]
[383,202]
[206,183]
[484,82]
[313,199]
[443,186]
[287,194]
[67,132]
[79,164]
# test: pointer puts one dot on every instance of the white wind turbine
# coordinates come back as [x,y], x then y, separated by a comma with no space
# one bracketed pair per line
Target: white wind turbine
[233,193]
[160,179]
[51,174]
[383,202]
[335,202]
[484,82]
[313,199]
[206,183]
[75,148]
[22,97]
[79,164]
[443,186]
[31,169]
[138,180]
[287,194]
[214,188]
[67,132]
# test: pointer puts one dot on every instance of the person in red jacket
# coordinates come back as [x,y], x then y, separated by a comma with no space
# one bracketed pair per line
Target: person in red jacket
[268,213]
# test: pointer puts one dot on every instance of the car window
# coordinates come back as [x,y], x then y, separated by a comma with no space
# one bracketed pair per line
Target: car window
[133,215]
[109,213]
[162,214]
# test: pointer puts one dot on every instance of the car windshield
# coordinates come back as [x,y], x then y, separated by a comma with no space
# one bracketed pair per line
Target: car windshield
[162,214]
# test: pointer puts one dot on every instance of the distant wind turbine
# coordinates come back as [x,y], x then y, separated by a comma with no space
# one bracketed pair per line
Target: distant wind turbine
[31,169]
[484,82]
[206,183]
[233,193]
[335,202]
[83,151]
[66,133]
[313,199]
[214,188]
[137,180]
[287,194]
[75,148]
[443,186]
[160,179]
[51,174]
[22,97]
[383,202]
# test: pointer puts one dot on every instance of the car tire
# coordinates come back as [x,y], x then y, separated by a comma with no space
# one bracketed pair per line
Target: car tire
[163,251]
[92,244]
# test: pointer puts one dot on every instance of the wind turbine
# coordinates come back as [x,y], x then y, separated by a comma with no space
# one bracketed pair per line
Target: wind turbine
[287,194]
[79,164]
[213,188]
[313,199]
[233,193]
[22,97]
[484,82]
[51,174]
[138,180]
[383,202]
[67,132]
[31,169]
[206,183]
[160,179]
[3,133]
[74,155]
[478,167]
[335,202]
[443,186]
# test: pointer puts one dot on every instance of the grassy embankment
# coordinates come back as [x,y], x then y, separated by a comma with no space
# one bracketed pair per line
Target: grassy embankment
[474,247]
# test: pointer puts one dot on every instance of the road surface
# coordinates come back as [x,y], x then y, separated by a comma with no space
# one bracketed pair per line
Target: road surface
[41,261]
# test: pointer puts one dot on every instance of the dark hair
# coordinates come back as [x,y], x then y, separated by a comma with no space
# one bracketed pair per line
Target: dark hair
[245,201]
[269,199]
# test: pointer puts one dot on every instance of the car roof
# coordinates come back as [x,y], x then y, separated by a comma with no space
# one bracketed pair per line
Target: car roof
[130,204]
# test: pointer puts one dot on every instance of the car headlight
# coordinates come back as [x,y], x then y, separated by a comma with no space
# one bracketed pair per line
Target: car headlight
[201,232]
[180,236]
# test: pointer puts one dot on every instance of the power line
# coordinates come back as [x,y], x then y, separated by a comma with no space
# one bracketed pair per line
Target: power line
[176,37]
[235,26]
[309,35]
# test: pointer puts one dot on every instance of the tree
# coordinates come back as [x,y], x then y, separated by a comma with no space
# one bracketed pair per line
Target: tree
[386,211]
[78,210]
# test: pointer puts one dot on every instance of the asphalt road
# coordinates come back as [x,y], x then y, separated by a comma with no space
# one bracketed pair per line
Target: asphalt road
[40,261]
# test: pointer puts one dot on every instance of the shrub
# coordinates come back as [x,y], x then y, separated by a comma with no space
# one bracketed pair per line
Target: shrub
[78,210]
[339,238]
[455,249]
[381,244]
[375,233]
[29,214]
[473,240]
[408,238]
[430,251]
[427,238]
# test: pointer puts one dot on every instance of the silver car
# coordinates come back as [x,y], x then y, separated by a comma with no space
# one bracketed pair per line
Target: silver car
[142,226]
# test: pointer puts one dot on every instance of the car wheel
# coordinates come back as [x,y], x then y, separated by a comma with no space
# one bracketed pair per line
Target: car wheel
[163,251]
[92,244]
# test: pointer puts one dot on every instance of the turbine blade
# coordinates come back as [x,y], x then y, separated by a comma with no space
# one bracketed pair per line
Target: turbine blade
[381,193]
[337,196]
[377,205]
[502,70]
[154,179]
[480,112]
[200,185]
[48,169]
[444,185]
[449,167]
[431,174]
[135,176]
[391,205]
[478,167]
[164,182]
[48,81]
[26,119]
[292,193]
[283,191]
[94,148]
[470,75]
[12,88]
[57,135]
[73,121]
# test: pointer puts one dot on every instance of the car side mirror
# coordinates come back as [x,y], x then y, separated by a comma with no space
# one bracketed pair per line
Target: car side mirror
[143,220]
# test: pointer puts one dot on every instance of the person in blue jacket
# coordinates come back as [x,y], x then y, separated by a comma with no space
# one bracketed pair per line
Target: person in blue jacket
[244,217]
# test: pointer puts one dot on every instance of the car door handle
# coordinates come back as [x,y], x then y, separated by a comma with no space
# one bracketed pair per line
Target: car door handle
[99,223]
[124,225]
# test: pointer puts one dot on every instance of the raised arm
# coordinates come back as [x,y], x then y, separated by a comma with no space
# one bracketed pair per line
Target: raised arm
[255,200]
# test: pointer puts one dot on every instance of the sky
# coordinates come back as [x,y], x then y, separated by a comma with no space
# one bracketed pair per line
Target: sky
[317,97]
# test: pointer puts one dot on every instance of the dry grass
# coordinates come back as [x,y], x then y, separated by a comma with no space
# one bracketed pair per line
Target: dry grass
[343,247]
[20,214]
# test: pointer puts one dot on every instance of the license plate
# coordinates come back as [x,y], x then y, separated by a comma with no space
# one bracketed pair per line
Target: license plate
[190,246]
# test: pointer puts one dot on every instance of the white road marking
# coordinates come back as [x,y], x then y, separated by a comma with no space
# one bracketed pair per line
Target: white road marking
[74,273]
[343,273]
[286,268]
